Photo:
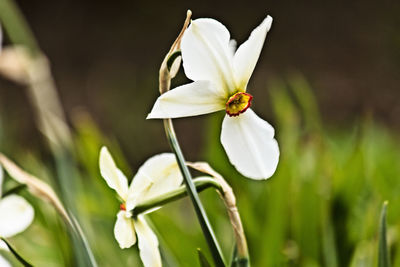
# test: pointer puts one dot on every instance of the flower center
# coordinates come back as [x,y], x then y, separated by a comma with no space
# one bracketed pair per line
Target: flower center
[238,103]
[122,207]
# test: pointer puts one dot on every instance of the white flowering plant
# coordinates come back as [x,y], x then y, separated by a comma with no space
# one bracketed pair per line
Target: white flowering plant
[290,220]
[220,76]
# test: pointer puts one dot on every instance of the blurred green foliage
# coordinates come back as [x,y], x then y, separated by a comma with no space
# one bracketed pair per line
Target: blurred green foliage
[321,208]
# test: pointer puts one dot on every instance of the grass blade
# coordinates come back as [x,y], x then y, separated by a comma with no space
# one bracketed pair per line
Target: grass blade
[17,256]
[383,250]
[202,259]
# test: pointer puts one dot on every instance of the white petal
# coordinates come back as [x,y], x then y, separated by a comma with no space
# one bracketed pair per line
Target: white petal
[158,175]
[124,230]
[113,176]
[3,246]
[207,55]
[4,262]
[233,46]
[188,100]
[247,55]
[1,179]
[250,145]
[16,214]
[148,244]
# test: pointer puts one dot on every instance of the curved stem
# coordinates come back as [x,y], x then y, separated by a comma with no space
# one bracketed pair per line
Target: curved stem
[181,192]
[241,255]
[223,189]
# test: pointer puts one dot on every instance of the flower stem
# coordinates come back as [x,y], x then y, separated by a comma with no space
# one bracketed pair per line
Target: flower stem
[241,255]
[194,196]
[166,74]
[181,192]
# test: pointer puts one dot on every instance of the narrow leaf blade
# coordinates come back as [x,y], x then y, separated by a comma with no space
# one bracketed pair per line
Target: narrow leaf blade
[383,251]
[17,256]
[202,259]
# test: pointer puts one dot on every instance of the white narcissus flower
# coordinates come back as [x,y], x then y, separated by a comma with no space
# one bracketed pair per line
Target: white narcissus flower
[16,214]
[158,175]
[220,78]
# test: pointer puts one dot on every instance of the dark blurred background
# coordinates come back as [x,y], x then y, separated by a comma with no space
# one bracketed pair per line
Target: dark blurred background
[105,58]
[321,208]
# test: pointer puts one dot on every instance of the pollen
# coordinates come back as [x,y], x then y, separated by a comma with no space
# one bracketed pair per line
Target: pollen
[238,103]
[122,207]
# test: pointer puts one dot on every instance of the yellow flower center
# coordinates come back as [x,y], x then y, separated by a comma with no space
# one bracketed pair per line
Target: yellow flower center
[238,103]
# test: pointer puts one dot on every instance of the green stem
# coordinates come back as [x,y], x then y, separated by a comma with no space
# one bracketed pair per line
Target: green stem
[194,196]
[181,192]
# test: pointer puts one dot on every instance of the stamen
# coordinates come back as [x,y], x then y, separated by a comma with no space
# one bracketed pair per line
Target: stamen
[238,103]
[122,207]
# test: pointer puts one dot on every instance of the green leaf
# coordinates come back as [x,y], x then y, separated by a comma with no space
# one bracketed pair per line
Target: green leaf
[383,252]
[17,256]
[202,258]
